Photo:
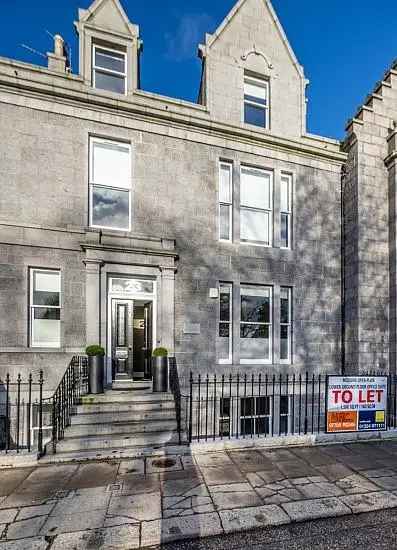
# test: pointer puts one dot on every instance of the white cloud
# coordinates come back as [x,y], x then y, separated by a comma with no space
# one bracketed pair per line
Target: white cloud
[182,44]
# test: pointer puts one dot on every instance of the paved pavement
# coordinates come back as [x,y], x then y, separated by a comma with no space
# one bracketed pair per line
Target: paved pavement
[144,502]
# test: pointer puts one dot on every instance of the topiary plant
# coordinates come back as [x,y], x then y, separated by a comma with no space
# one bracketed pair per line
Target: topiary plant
[93,351]
[160,352]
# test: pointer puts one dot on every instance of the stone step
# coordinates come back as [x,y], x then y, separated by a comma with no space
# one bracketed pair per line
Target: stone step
[118,441]
[101,417]
[126,397]
[116,453]
[121,428]
[124,407]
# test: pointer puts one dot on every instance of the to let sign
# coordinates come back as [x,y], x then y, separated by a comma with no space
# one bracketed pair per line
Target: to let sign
[356,403]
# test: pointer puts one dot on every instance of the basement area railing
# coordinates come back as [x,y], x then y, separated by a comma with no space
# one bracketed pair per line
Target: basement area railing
[28,419]
[262,405]
[21,414]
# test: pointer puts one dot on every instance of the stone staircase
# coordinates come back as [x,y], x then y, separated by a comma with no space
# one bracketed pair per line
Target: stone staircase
[118,423]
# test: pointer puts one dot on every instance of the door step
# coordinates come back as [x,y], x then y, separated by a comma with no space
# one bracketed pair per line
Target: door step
[118,441]
[121,428]
[115,453]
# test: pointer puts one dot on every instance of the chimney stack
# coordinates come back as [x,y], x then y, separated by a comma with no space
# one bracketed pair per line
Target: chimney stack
[57,60]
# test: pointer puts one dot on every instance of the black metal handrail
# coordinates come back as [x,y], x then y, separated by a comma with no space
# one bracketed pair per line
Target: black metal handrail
[176,392]
[16,413]
[73,385]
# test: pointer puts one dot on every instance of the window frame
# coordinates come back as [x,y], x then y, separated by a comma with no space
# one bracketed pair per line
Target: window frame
[92,184]
[259,82]
[255,416]
[287,361]
[229,360]
[264,361]
[33,307]
[108,71]
[268,211]
[289,212]
[223,163]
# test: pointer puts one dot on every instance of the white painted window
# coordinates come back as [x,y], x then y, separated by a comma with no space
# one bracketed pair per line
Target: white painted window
[286,211]
[45,308]
[110,184]
[256,102]
[225,328]
[109,69]
[256,199]
[256,325]
[225,201]
[285,325]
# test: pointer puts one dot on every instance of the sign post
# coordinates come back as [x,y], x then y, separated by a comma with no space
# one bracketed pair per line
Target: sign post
[356,403]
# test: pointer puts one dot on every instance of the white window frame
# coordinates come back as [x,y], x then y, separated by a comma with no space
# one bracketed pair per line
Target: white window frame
[229,360]
[229,166]
[269,360]
[95,67]
[289,212]
[287,361]
[260,83]
[269,211]
[32,342]
[92,184]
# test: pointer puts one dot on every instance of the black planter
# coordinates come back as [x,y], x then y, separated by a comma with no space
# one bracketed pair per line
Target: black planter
[160,374]
[96,374]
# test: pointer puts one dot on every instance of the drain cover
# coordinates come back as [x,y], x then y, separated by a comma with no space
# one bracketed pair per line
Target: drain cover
[163,463]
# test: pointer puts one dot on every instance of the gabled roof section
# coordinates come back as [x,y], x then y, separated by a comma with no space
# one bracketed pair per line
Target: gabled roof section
[107,14]
[212,38]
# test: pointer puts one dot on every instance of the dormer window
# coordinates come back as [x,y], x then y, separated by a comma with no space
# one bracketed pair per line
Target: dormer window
[256,101]
[109,69]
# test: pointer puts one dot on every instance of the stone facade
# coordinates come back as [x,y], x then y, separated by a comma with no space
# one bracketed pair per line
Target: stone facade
[48,117]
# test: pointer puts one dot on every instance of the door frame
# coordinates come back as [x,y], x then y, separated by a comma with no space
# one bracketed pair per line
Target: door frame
[134,296]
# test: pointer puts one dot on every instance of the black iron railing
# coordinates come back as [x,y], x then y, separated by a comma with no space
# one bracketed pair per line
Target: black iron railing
[21,414]
[176,391]
[72,387]
[253,406]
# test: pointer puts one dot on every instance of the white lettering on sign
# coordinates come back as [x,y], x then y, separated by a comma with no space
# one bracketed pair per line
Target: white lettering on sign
[356,403]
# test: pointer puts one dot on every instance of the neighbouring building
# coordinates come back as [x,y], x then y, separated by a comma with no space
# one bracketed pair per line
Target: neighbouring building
[369,203]
[133,220]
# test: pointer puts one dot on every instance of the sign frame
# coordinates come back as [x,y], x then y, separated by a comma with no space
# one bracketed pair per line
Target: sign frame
[357,379]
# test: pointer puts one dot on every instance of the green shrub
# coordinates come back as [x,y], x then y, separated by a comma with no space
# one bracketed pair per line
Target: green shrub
[94,350]
[160,352]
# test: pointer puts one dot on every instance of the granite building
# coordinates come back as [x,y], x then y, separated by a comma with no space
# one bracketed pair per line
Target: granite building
[135,220]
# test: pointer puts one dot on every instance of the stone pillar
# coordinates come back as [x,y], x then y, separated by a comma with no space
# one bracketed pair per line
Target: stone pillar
[167,305]
[93,301]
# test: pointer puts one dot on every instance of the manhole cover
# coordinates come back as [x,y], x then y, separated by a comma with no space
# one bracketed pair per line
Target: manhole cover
[164,463]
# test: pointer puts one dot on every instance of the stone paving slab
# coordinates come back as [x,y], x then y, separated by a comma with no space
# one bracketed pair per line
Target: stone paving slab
[251,518]
[305,510]
[133,503]
[160,531]
[369,502]
[125,537]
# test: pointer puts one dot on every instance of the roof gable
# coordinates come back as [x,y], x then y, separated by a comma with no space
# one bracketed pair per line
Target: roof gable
[268,10]
[107,14]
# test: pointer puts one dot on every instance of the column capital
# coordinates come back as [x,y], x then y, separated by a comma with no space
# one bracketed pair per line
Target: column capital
[167,271]
[93,266]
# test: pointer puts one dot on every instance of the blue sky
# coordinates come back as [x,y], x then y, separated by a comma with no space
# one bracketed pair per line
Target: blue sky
[345,46]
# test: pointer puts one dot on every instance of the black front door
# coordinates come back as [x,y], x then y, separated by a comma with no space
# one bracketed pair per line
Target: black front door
[122,339]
